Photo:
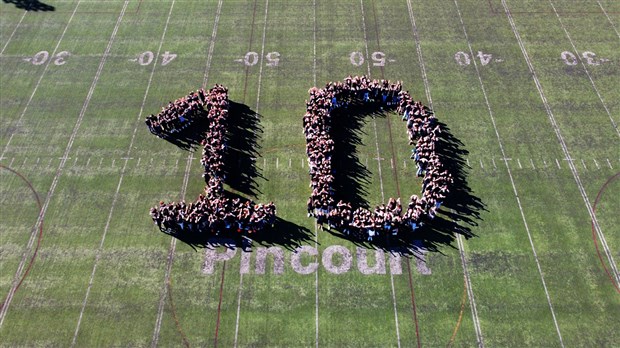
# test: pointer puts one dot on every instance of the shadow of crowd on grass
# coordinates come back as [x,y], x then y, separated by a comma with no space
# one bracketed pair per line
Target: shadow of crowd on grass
[459,213]
[241,172]
[31,5]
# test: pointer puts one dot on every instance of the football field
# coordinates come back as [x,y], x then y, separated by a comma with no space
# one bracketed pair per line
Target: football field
[528,254]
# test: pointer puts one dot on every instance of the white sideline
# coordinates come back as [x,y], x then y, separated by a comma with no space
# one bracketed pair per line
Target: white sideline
[613,123]
[13,32]
[190,157]
[260,79]
[563,145]
[374,123]
[316,232]
[470,292]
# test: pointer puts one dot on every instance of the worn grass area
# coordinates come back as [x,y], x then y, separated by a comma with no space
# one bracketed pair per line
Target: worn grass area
[67,121]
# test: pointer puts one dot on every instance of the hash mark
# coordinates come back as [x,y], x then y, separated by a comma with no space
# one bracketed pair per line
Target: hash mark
[88,162]
[609,163]
[494,166]
[519,161]
[481,165]
[11,164]
[532,162]
[584,164]
[25,159]
[277,162]
[596,163]
[545,162]
[558,163]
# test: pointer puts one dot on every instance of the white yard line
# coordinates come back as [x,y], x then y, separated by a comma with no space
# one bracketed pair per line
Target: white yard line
[472,301]
[190,157]
[470,293]
[84,108]
[585,68]
[374,123]
[62,161]
[13,32]
[563,145]
[260,79]
[512,183]
[608,19]
[316,232]
[36,88]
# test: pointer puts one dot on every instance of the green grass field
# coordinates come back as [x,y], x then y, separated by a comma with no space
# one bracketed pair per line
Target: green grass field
[538,118]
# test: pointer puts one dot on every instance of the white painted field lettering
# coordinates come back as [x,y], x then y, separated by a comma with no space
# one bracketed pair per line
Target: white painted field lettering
[570,58]
[40,58]
[485,58]
[462,58]
[589,57]
[345,259]
[273,59]
[278,260]
[212,256]
[378,58]
[145,58]
[336,259]
[250,59]
[362,262]
[357,58]
[60,58]
[167,57]
[296,260]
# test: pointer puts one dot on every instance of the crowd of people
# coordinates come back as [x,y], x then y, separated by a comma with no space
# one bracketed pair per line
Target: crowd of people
[214,212]
[423,131]
[177,115]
